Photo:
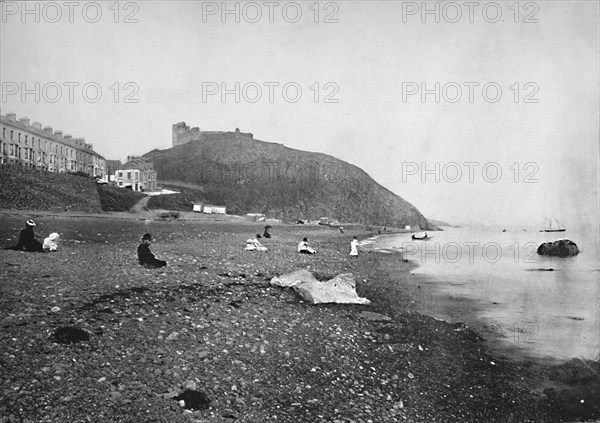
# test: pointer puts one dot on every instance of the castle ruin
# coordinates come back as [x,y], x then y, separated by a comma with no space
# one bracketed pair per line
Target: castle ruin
[183,134]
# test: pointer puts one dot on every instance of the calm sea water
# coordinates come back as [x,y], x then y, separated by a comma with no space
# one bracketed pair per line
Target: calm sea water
[494,280]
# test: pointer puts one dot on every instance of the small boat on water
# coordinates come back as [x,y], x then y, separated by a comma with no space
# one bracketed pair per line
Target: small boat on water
[421,237]
[552,225]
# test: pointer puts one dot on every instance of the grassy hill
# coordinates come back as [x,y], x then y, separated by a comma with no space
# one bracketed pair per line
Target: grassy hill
[27,189]
[252,176]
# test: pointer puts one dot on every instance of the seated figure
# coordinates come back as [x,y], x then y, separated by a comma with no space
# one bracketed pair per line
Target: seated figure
[50,243]
[145,256]
[254,244]
[304,248]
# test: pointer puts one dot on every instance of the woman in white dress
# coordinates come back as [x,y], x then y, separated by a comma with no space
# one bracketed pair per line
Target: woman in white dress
[354,247]
[50,243]
[304,248]
[255,245]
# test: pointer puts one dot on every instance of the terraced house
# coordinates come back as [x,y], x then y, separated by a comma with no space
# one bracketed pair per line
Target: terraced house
[34,146]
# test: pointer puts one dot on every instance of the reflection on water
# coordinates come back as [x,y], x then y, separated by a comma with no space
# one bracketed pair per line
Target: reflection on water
[543,306]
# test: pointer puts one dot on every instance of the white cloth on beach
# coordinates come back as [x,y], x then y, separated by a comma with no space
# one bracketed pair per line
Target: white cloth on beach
[341,289]
[354,247]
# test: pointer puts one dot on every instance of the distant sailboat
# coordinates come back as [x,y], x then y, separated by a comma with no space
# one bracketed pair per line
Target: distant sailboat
[552,225]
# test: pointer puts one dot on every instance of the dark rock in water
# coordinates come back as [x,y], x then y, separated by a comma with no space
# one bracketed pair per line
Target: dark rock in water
[560,248]
[194,400]
[70,335]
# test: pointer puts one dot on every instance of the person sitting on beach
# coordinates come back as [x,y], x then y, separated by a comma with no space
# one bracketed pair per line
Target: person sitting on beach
[341,229]
[354,247]
[27,241]
[145,256]
[50,243]
[304,248]
[266,233]
[254,244]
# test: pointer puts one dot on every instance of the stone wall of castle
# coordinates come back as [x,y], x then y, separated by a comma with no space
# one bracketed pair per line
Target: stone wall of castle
[183,134]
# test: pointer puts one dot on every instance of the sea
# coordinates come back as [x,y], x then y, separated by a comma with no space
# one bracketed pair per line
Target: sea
[527,306]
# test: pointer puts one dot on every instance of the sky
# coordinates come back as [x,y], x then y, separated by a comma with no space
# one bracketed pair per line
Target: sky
[476,113]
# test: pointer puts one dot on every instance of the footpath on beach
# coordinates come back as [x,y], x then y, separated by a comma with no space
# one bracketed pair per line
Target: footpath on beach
[89,335]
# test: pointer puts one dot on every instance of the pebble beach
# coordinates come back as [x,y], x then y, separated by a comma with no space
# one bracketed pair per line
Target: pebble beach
[88,335]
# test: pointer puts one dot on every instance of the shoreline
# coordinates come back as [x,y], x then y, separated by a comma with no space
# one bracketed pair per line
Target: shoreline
[542,372]
[412,367]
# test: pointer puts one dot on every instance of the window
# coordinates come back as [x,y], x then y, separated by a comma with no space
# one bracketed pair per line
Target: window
[128,176]
[19,137]
[3,133]
[26,136]
[11,135]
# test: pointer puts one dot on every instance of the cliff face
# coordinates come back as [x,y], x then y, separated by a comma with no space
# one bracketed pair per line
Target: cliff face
[252,176]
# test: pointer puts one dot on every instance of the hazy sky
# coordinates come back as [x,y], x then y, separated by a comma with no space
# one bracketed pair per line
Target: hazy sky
[374,58]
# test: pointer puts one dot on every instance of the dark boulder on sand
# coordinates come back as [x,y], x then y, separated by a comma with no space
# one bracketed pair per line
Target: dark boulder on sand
[559,248]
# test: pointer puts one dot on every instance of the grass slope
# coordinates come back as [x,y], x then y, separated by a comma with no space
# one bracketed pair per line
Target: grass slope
[118,199]
[27,189]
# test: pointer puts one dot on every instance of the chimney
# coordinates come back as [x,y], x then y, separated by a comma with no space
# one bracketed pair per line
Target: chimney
[58,133]
[12,116]
[48,129]
[68,136]
[37,125]
[24,121]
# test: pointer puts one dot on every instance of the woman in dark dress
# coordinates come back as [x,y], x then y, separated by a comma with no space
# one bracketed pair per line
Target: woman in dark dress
[27,241]
[145,256]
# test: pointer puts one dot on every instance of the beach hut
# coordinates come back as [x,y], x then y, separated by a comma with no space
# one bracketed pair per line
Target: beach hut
[197,207]
[219,210]
[324,221]
[407,228]
[207,209]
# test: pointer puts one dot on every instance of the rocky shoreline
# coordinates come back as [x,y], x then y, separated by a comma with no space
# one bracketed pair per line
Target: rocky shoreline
[209,324]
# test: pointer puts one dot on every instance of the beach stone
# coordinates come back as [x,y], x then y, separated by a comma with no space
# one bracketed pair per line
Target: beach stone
[173,336]
[190,384]
[559,248]
[374,317]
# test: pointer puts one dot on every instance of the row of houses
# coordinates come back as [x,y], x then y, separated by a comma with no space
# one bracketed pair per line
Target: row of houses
[32,145]
[41,147]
